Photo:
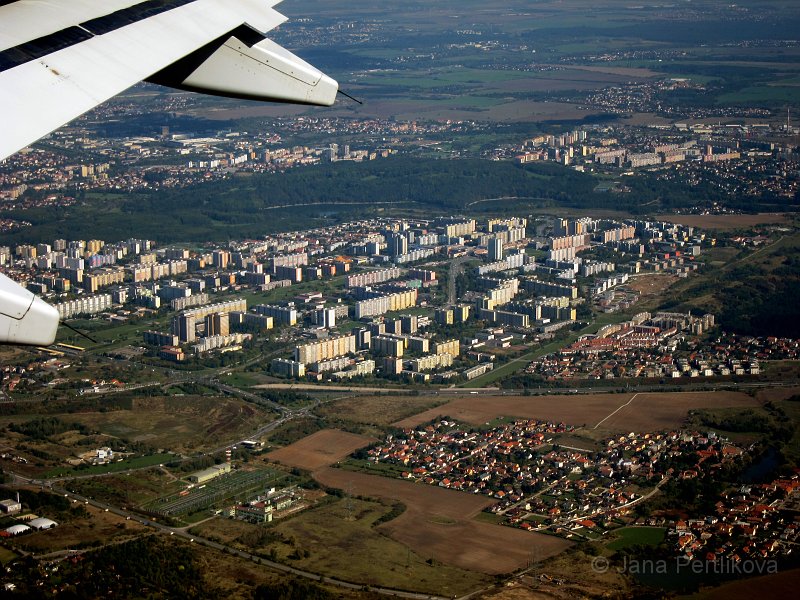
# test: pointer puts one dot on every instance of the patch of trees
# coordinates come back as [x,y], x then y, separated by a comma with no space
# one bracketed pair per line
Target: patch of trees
[39,501]
[285,397]
[142,568]
[744,420]
[195,464]
[757,297]
[398,508]
[697,495]
[43,428]
[292,589]
[258,537]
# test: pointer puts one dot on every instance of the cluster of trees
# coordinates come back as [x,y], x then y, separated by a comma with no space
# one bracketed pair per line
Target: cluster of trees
[398,508]
[742,420]
[285,397]
[239,207]
[754,296]
[292,589]
[143,568]
[42,428]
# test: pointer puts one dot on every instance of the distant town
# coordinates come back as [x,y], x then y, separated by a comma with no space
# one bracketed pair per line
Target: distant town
[748,159]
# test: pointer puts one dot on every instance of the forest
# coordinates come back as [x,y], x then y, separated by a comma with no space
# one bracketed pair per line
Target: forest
[249,205]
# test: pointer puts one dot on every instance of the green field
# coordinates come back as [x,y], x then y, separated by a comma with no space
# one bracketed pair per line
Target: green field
[763,94]
[115,467]
[637,536]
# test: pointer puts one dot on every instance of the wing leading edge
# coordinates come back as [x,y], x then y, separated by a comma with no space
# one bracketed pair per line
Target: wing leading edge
[61,58]
[212,46]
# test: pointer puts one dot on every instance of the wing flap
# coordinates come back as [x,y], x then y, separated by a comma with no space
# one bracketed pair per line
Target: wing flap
[24,318]
[261,71]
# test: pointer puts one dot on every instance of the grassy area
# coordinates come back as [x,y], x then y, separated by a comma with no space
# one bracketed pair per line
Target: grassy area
[518,363]
[522,361]
[792,448]
[384,469]
[243,380]
[486,517]
[130,489]
[637,536]
[378,410]
[6,555]
[115,467]
[763,94]
[341,540]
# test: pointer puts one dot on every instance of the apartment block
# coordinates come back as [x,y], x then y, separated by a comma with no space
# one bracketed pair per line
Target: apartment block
[373,277]
[88,305]
[388,346]
[245,319]
[430,362]
[452,347]
[156,338]
[283,315]
[325,349]
[386,303]
[546,288]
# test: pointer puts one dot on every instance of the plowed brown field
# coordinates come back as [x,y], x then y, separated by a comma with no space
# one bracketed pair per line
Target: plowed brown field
[647,412]
[440,524]
[320,449]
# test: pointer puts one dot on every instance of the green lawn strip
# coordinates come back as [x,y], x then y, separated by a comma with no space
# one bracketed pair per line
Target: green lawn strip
[637,536]
[114,467]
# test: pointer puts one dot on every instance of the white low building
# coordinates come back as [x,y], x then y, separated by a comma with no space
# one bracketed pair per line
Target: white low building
[42,523]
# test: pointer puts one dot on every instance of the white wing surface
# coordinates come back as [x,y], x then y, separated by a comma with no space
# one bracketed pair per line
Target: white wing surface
[61,58]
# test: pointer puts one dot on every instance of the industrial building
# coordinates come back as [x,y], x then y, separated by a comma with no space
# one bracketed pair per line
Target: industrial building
[210,473]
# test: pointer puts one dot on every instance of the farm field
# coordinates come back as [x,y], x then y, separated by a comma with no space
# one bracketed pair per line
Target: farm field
[780,585]
[441,524]
[647,412]
[777,393]
[320,449]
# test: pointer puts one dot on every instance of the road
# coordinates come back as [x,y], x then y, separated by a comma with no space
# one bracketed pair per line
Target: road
[254,398]
[456,268]
[321,387]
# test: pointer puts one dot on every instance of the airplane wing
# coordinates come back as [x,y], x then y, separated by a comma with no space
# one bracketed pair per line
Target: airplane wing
[61,58]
